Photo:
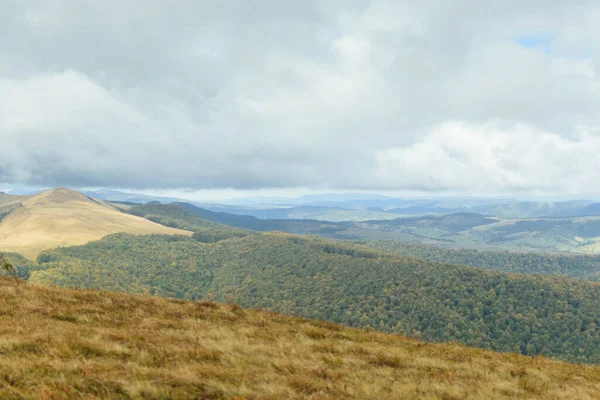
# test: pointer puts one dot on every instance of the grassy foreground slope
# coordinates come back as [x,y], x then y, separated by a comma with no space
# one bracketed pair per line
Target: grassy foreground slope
[60,343]
[63,217]
[346,283]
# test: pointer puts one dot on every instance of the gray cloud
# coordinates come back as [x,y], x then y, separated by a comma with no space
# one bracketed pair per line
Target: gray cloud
[395,95]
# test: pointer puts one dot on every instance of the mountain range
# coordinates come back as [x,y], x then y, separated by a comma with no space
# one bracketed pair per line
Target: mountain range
[392,289]
[530,304]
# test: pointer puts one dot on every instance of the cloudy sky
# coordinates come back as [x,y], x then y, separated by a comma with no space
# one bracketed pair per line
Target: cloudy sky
[461,96]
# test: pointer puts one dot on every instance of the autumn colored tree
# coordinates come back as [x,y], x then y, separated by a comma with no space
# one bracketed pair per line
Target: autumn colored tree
[7,267]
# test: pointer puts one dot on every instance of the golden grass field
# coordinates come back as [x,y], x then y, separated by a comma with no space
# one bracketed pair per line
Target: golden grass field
[63,217]
[62,344]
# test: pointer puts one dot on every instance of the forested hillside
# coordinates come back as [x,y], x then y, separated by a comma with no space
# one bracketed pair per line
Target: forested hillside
[152,211]
[574,266]
[558,235]
[346,283]
[174,216]
[461,230]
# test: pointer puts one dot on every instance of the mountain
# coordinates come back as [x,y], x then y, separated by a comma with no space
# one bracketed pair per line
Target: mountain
[494,207]
[579,266]
[6,199]
[119,196]
[476,231]
[63,217]
[158,213]
[320,213]
[338,281]
[8,203]
[345,283]
[583,211]
[316,199]
[460,230]
[106,195]
[62,343]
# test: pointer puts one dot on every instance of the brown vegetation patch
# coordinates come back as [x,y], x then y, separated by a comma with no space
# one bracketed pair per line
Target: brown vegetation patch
[64,344]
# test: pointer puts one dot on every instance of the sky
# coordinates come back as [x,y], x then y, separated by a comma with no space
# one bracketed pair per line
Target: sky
[235,97]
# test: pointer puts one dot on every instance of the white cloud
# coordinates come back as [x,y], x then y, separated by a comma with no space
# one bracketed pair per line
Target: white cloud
[494,157]
[371,95]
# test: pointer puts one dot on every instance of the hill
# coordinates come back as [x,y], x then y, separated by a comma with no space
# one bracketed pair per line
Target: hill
[579,266]
[63,217]
[458,231]
[463,230]
[62,343]
[6,199]
[168,212]
[345,283]
[319,213]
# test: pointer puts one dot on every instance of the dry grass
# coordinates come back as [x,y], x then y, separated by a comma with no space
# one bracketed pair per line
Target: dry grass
[9,199]
[61,344]
[63,217]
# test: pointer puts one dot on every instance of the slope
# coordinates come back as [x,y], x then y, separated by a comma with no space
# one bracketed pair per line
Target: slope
[579,266]
[62,343]
[63,217]
[345,283]
[572,235]
[7,199]
[159,212]
[461,230]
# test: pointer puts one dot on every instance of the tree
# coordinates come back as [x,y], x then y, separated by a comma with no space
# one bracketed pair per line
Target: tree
[8,267]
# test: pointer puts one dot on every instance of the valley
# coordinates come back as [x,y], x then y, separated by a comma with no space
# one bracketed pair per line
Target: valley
[320,200]
[524,303]
[578,235]
[533,304]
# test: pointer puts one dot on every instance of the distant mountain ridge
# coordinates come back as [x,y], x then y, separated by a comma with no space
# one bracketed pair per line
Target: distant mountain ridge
[342,282]
[240,221]
[325,206]
[457,230]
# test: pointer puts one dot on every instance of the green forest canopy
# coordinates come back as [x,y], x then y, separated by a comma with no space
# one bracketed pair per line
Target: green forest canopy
[574,266]
[346,283]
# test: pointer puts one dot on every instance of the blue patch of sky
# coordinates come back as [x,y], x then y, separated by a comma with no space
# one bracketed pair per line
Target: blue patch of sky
[533,41]
[579,51]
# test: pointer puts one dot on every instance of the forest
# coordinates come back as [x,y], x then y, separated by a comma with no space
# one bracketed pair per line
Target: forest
[572,265]
[418,291]
[578,235]
[304,226]
[346,283]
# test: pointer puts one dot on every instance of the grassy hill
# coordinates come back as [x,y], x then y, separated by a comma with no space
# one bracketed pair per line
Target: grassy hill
[63,217]
[60,343]
[6,199]
[345,283]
